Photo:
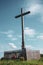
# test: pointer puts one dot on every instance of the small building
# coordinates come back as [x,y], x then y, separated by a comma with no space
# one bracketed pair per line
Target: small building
[30,54]
[12,54]
[33,54]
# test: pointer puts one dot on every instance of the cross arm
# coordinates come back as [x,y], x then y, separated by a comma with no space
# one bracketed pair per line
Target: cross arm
[22,14]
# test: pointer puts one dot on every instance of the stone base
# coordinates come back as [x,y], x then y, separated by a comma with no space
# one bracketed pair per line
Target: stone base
[24,53]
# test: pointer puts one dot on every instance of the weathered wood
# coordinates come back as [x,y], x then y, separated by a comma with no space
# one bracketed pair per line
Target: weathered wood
[22,14]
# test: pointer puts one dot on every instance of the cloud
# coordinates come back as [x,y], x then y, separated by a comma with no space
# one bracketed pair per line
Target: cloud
[34,9]
[29,47]
[10,35]
[41,51]
[30,32]
[12,45]
[10,31]
[7,32]
[40,36]
[8,47]
[14,38]
[32,39]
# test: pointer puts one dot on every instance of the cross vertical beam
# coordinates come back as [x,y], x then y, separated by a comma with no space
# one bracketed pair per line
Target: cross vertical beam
[22,22]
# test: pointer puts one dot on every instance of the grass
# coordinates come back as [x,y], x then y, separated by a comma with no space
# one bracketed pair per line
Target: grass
[18,62]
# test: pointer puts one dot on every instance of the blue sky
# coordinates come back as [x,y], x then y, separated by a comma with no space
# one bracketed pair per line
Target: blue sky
[10,28]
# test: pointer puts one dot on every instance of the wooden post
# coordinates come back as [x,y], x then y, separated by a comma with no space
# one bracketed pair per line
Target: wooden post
[22,22]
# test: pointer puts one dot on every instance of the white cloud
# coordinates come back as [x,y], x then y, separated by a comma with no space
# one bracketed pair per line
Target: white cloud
[30,32]
[40,36]
[12,45]
[41,51]
[32,39]
[7,32]
[10,35]
[35,9]
[10,32]
[14,38]
[29,47]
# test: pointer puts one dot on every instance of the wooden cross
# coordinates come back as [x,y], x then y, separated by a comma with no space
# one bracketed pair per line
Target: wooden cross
[21,15]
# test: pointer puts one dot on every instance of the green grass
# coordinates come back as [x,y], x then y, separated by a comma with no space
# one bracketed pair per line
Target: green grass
[18,62]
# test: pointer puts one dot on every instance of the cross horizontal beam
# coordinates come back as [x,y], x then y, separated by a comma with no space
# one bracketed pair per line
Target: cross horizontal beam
[22,14]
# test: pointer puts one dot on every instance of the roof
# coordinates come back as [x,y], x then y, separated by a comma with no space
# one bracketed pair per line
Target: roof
[15,51]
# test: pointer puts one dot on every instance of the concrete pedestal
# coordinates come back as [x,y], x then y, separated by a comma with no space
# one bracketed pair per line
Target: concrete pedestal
[24,53]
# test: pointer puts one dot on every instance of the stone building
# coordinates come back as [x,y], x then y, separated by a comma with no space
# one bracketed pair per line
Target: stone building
[33,54]
[12,54]
[30,54]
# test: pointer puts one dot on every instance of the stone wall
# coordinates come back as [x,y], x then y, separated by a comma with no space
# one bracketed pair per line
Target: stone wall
[33,54]
[27,54]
